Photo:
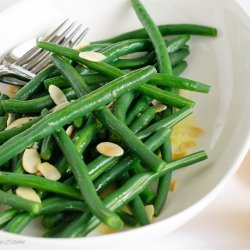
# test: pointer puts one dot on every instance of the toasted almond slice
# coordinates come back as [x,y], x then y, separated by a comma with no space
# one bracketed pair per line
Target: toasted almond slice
[92,56]
[81,46]
[172,185]
[155,102]
[12,90]
[49,171]
[28,194]
[150,211]
[160,107]
[102,228]
[18,122]
[61,106]
[70,130]
[31,159]
[109,149]
[57,95]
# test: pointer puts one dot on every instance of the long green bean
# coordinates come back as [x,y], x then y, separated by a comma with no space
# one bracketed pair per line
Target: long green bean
[155,36]
[86,186]
[167,29]
[19,203]
[178,82]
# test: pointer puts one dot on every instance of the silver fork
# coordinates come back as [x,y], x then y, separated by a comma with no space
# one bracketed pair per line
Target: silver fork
[16,70]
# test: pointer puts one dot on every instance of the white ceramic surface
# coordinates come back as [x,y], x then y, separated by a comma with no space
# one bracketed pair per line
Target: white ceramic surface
[224,113]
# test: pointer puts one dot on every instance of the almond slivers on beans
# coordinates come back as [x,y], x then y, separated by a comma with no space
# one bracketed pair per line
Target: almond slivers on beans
[31,159]
[92,56]
[49,171]
[28,194]
[109,149]
[57,95]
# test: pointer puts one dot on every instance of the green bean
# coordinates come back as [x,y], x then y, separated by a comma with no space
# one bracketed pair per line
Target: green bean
[86,186]
[149,58]
[50,205]
[165,96]
[3,123]
[167,29]
[178,56]
[169,122]
[7,215]
[122,48]
[2,97]
[92,80]
[129,161]
[179,68]
[139,211]
[47,147]
[38,182]
[34,105]
[143,120]
[108,119]
[155,36]
[80,107]
[81,140]
[127,218]
[34,85]
[19,222]
[178,82]
[164,181]
[51,220]
[127,192]
[122,105]
[139,107]
[18,202]
[135,62]
[137,206]
[147,194]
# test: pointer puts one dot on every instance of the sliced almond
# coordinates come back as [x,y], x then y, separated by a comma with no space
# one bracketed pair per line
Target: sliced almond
[92,56]
[70,130]
[109,149]
[172,185]
[150,211]
[61,106]
[28,194]
[102,228]
[49,171]
[31,159]
[18,122]
[155,102]
[12,90]
[81,46]
[57,95]
[160,107]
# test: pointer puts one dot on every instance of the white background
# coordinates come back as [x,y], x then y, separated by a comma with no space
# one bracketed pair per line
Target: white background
[224,224]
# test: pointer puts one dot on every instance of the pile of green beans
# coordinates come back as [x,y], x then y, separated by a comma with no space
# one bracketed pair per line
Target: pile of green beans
[107,101]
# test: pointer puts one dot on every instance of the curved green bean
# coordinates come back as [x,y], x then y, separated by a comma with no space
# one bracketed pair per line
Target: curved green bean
[155,36]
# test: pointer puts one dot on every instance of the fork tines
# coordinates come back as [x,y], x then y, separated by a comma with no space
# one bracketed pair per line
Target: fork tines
[66,34]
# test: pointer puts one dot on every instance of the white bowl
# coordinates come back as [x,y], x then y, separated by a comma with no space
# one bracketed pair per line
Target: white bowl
[223,113]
